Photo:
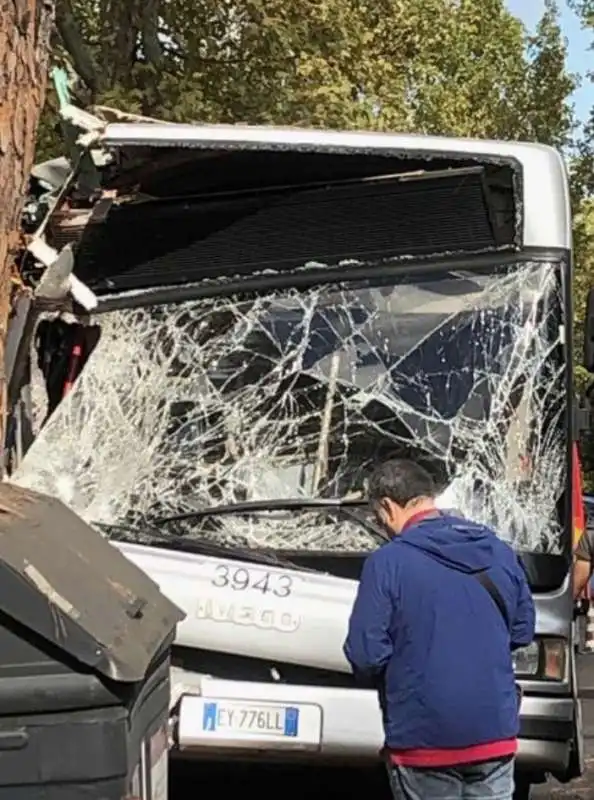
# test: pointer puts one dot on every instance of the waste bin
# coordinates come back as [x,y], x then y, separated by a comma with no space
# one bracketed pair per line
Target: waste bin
[84,661]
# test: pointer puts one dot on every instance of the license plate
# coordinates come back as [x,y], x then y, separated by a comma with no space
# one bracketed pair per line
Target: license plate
[205,722]
[267,720]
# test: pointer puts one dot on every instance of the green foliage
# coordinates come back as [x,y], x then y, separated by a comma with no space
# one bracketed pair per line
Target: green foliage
[583,236]
[548,109]
[585,10]
[582,175]
[461,67]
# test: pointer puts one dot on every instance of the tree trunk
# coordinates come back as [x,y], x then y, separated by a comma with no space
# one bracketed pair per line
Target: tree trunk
[25,27]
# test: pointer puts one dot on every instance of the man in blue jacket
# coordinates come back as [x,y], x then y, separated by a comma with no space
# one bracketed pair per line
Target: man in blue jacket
[439,610]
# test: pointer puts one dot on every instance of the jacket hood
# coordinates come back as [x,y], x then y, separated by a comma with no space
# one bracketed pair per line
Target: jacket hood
[455,542]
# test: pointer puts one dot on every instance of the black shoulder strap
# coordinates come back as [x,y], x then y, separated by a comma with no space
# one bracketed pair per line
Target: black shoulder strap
[490,587]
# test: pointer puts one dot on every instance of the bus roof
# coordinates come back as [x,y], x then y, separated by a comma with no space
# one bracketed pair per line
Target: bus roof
[544,185]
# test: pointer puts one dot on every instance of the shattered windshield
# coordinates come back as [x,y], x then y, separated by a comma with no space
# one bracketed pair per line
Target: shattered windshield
[297,393]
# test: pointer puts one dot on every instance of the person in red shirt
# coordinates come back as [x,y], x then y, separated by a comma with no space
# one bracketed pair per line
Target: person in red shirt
[438,611]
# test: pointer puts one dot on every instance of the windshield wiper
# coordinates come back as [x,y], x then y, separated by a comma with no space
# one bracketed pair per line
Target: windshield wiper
[146,534]
[344,507]
[259,506]
[150,533]
[130,532]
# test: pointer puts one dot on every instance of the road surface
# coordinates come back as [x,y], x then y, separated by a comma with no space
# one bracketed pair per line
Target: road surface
[270,783]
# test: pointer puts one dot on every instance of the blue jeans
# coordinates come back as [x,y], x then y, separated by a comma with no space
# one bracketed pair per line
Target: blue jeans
[487,780]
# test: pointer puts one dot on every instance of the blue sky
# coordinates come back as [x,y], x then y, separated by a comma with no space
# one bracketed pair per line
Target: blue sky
[580,58]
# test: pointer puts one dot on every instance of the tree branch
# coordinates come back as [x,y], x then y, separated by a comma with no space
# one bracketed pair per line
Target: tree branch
[74,44]
[149,31]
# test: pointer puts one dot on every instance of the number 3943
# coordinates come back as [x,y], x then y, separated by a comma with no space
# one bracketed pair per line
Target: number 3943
[240,579]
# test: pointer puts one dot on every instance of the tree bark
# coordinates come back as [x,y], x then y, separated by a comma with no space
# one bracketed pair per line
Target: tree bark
[25,27]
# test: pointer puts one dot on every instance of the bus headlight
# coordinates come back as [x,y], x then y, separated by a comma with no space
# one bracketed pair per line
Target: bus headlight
[544,659]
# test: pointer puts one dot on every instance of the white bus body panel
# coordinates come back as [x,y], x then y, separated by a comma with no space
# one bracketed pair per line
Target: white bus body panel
[307,627]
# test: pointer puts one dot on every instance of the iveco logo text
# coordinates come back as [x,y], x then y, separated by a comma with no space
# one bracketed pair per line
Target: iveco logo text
[237,614]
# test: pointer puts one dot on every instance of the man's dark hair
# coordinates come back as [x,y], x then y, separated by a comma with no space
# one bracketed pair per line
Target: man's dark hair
[400,480]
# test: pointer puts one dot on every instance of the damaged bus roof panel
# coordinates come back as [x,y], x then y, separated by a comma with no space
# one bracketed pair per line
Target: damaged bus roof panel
[62,580]
[243,236]
[539,165]
[226,203]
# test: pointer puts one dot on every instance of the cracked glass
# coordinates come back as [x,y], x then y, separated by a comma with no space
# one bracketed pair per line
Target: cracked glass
[298,393]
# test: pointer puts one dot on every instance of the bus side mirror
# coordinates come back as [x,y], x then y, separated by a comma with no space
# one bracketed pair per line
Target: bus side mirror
[589,332]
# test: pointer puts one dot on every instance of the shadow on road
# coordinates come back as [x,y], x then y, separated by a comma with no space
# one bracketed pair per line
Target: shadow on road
[271,782]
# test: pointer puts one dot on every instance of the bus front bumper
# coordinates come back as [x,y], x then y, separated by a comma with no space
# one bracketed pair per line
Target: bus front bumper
[335,724]
[547,733]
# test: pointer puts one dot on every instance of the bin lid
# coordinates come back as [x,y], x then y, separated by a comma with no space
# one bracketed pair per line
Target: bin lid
[65,582]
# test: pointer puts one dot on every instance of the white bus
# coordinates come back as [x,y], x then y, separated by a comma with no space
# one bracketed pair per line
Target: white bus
[275,310]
